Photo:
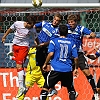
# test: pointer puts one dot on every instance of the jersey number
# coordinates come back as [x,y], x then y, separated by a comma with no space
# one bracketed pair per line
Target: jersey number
[63,52]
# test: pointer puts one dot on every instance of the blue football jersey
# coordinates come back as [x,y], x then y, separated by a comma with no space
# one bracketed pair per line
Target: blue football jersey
[47,32]
[77,34]
[64,49]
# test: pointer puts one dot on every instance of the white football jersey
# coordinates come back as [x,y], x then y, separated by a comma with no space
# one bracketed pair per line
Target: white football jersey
[22,34]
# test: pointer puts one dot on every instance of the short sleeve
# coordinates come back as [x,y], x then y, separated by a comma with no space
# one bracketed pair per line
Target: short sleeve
[51,46]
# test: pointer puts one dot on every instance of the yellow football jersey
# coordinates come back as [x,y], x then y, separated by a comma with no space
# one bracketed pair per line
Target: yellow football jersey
[33,72]
[31,67]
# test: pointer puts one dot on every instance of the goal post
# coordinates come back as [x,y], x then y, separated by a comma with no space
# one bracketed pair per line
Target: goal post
[68,5]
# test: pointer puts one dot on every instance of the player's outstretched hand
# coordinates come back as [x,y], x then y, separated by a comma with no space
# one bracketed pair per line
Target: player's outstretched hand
[3,39]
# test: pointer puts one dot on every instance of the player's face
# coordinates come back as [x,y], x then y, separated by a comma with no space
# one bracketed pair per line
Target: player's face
[29,25]
[72,23]
[56,21]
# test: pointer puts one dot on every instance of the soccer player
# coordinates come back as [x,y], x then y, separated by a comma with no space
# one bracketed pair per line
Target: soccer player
[33,73]
[76,32]
[22,31]
[93,57]
[48,31]
[60,51]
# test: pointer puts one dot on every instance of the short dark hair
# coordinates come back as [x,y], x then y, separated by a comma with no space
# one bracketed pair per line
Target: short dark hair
[31,20]
[63,30]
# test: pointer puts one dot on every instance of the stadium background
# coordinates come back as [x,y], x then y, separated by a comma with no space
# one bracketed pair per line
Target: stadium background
[8,75]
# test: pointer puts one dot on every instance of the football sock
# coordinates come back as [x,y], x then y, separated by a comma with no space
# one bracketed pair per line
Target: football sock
[21,77]
[92,83]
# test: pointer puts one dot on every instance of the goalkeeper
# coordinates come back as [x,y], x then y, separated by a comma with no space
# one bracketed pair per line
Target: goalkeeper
[33,73]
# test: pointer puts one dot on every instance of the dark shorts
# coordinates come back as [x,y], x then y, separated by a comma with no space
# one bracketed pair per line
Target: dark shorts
[41,55]
[83,64]
[54,77]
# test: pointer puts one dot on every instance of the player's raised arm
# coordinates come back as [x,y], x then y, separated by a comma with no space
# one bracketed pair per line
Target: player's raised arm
[5,35]
[92,35]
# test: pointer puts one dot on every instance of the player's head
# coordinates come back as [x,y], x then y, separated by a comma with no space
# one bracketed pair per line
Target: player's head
[63,30]
[57,19]
[72,20]
[30,21]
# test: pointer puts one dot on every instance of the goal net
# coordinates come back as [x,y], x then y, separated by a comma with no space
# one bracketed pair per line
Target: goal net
[88,17]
